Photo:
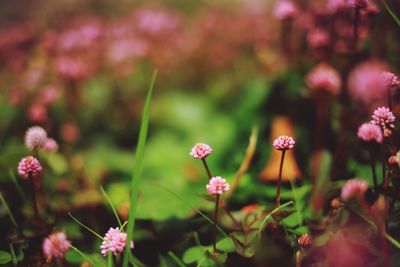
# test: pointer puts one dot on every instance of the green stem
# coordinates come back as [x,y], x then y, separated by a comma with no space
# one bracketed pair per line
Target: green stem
[215,223]
[373,170]
[207,169]
[278,186]
[34,201]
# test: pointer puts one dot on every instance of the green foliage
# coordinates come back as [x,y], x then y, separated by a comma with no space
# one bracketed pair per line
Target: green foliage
[5,257]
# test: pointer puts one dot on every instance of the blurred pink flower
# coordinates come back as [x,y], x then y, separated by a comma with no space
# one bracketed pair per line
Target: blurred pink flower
[200,151]
[29,167]
[383,117]
[317,38]
[336,5]
[55,245]
[37,112]
[35,137]
[283,142]
[72,68]
[390,79]
[358,3]
[153,21]
[69,132]
[354,188]
[369,132]
[365,82]
[50,145]
[217,185]
[285,9]
[114,241]
[324,77]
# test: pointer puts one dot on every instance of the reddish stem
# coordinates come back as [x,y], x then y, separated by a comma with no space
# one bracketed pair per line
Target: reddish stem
[278,186]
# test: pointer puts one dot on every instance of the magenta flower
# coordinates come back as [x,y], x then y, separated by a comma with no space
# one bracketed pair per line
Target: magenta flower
[201,151]
[336,5]
[114,241]
[50,145]
[29,167]
[358,3]
[317,38]
[35,137]
[390,80]
[55,245]
[370,132]
[283,142]
[354,188]
[217,185]
[383,117]
[285,9]
[324,77]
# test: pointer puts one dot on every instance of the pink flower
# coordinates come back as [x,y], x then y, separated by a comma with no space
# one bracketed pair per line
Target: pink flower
[390,80]
[324,77]
[217,185]
[35,137]
[285,9]
[383,117]
[317,38]
[370,132]
[365,82]
[114,241]
[201,151]
[50,145]
[354,188]
[29,167]
[55,245]
[358,3]
[283,142]
[336,5]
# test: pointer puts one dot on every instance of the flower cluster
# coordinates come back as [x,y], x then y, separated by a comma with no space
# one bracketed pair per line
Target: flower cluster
[36,138]
[217,185]
[390,80]
[324,77]
[354,188]
[114,241]
[201,151]
[55,245]
[383,117]
[283,142]
[29,167]
[285,9]
[369,132]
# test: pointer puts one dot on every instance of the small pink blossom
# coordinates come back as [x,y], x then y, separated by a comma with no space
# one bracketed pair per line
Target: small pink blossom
[336,5]
[383,117]
[201,151]
[35,137]
[285,9]
[358,3]
[29,167]
[114,241]
[55,245]
[217,185]
[354,188]
[317,38]
[324,77]
[390,80]
[50,145]
[370,132]
[283,142]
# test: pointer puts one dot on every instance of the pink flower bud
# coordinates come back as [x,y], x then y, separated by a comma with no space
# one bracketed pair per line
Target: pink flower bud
[55,245]
[29,167]
[283,142]
[201,151]
[369,132]
[114,241]
[217,185]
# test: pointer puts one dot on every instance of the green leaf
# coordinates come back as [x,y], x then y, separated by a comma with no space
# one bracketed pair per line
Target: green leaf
[391,12]
[226,245]
[5,257]
[137,172]
[57,163]
[193,254]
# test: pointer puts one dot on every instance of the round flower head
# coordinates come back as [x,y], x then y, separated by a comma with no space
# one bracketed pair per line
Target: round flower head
[35,137]
[50,145]
[114,241]
[390,80]
[354,188]
[358,3]
[217,185]
[55,245]
[304,240]
[201,151]
[317,38]
[383,117]
[283,142]
[336,5]
[370,132]
[285,9]
[29,167]
[324,77]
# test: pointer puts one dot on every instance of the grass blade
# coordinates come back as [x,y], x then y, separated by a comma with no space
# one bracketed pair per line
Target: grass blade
[84,226]
[392,240]
[176,259]
[191,206]
[391,12]
[83,255]
[137,172]
[16,184]
[111,206]
[8,211]
[270,214]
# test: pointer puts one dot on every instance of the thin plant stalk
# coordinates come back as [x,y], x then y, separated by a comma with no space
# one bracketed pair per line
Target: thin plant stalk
[137,173]
[34,200]
[373,170]
[8,211]
[207,169]
[389,98]
[215,223]
[278,186]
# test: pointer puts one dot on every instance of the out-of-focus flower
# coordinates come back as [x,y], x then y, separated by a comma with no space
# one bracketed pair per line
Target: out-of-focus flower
[55,245]
[285,9]
[317,38]
[72,68]
[37,112]
[336,5]
[383,117]
[283,142]
[69,132]
[369,132]
[390,79]
[336,203]
[29,167]
[365,82]
[201,151]
[354,188]
[358,3]
[154,21]
[35,137]
[324,77]
[304,240]
[217,185]
[50,145]
[114,241]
